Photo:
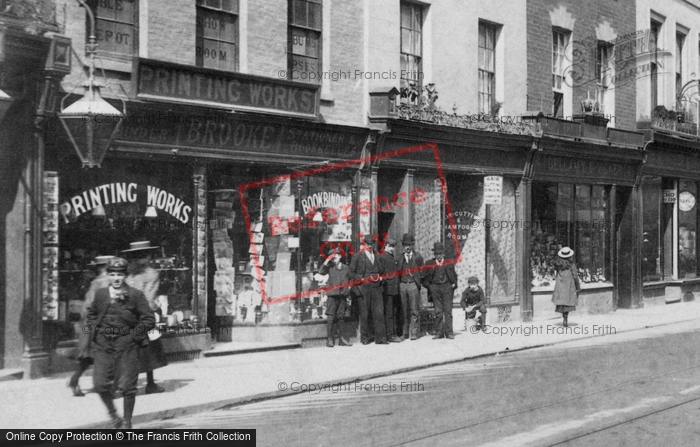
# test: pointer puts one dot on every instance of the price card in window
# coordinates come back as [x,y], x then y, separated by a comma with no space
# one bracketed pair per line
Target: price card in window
[669,196]
[493,189]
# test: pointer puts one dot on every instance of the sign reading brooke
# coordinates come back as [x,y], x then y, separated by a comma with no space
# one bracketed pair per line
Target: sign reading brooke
[201,85]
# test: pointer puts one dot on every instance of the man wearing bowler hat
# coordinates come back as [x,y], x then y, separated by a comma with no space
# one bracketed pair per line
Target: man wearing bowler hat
[366,269]
[118,320]
[391,289]
[408,266]
[441,280]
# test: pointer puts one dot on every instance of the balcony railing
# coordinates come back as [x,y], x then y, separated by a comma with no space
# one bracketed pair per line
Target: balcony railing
[673,124]
[503,124]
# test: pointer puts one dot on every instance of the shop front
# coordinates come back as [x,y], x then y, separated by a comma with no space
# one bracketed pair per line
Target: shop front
[479,215]
[264,214]
[669,190]
[582,198]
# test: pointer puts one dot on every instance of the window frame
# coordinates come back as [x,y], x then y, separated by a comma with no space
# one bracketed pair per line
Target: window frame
[292,26]
[558,71]
[491,29]
[199,34]
[94,6]
[415,57]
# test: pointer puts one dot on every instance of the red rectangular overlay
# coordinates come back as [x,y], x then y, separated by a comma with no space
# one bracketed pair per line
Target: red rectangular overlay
[357,163]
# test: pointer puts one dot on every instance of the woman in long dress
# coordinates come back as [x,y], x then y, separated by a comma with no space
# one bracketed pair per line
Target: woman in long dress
[567,287]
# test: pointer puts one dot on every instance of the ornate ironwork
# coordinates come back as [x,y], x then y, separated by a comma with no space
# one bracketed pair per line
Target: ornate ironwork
[510,125]
[33,11]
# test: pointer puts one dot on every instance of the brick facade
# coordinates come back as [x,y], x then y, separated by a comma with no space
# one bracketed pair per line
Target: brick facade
[620,15]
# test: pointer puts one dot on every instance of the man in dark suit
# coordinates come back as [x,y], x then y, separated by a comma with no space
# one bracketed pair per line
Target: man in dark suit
[367,270]
[119,320]
[441,280]
[409,286]
[391,289]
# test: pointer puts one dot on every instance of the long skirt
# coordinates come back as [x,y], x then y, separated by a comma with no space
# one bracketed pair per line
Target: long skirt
[564,309]
[152,357]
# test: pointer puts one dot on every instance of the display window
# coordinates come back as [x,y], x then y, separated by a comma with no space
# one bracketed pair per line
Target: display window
[105,212]
[570,215]
[293,223]
[687,229]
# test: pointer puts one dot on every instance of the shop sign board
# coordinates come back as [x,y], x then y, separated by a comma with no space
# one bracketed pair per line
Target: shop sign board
[227,132]
[493,189]
[669,196]
[111,193]
[233,90]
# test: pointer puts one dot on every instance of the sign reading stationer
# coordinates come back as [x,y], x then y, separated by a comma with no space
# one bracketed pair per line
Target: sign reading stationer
[157,79]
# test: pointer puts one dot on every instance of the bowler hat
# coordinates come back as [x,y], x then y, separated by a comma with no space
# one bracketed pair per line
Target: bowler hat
[117,265]
[369,240]
[139,246]
[101,260]
[565,252]
[391,241]
[438,247]
[473,279]
[408,239]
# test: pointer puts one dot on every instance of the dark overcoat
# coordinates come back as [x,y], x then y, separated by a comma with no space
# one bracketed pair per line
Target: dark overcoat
[567,284]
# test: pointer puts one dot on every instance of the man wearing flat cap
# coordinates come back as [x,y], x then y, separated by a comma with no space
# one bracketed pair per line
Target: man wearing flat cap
[441,280]
[119,320]
[366,269]
[391,289]
[408,265]
[473,299]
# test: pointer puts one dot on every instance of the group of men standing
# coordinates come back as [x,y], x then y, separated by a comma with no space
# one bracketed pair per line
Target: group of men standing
[388,288]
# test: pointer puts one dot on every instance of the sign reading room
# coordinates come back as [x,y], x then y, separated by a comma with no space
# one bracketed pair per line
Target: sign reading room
[199,85]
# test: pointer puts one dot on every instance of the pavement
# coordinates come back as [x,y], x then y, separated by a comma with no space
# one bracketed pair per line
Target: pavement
[216,381]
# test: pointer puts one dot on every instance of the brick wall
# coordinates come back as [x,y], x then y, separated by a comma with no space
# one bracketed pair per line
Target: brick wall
[172,30]
[620,14]
[267,37]
[347,55]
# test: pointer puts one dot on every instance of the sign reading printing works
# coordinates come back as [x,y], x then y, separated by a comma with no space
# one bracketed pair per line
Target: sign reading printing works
[158,79]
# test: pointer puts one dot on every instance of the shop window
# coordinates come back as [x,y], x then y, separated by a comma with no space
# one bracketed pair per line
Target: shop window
[687,229]
[411,48]
[115,26]
[653,227]
[217,34]
[570,215]
[103,212]
[305,29]
[289,254]
[487,67]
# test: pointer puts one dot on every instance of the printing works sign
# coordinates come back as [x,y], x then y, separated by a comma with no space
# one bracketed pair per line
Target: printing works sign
[239,91]
[614,63]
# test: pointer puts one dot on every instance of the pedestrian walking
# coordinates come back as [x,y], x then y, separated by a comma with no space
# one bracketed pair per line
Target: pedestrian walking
[118,320]
[567,287]
[473,299]
[337,301]
[441,280]
[390,292]
[146,279]
[408,266]
[84,355]
[366,269]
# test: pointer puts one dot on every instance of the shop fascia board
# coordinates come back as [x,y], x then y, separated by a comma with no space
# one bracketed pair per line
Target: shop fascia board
[673,141]
[556,146]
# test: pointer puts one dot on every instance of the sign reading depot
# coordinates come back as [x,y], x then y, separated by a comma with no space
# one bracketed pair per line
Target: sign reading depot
[116,193]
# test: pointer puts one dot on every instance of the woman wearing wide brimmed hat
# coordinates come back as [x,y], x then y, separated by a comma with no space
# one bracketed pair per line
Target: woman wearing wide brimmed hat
[567,287]
[143,277]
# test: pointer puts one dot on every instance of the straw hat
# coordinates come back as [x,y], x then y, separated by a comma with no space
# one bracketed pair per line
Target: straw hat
[565,252]
[139,246]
